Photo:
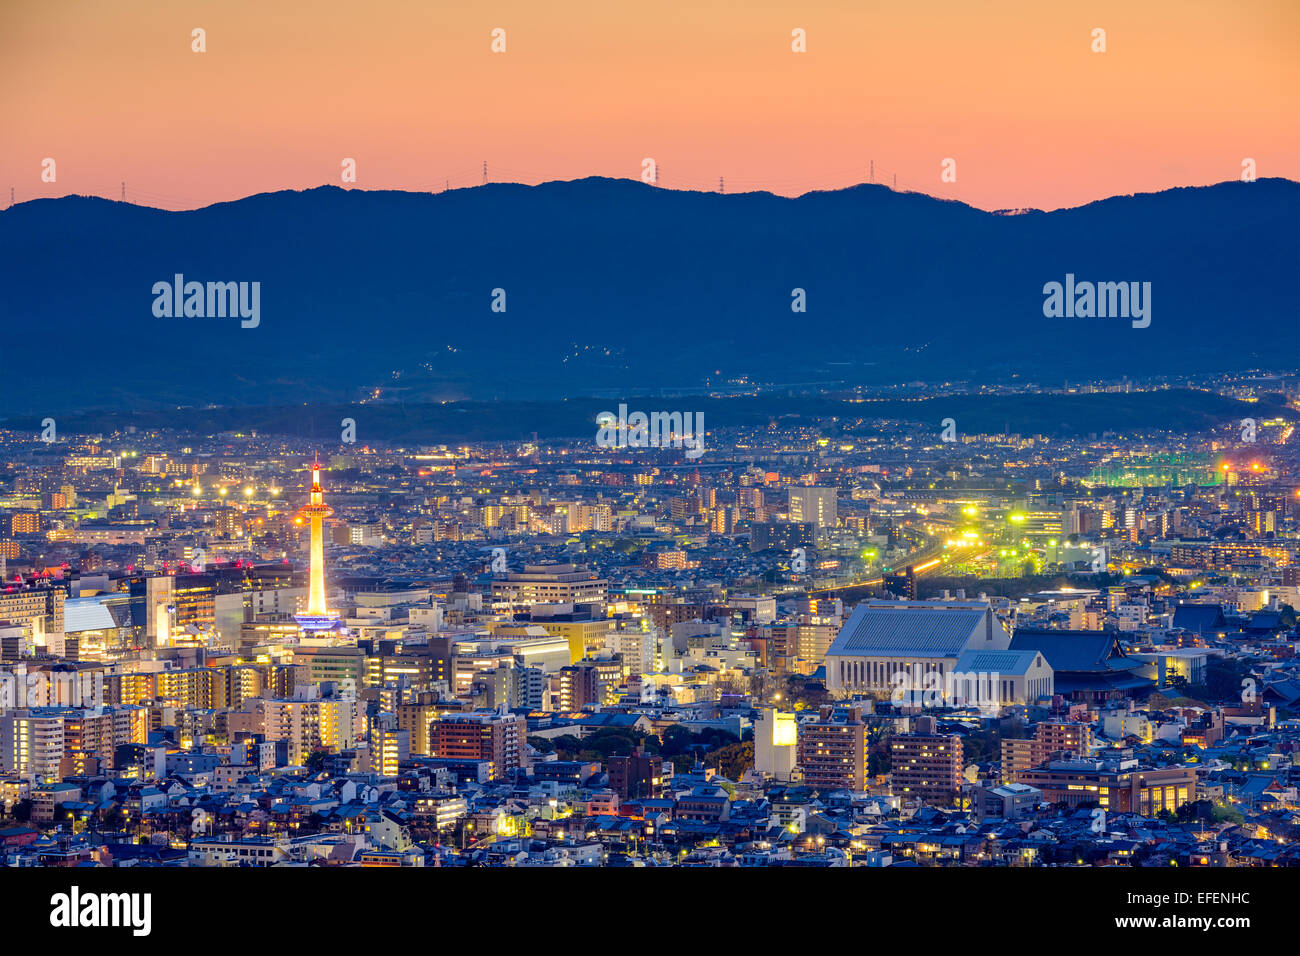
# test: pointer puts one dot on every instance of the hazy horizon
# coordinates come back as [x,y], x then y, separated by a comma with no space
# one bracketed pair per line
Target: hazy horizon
[1013,93]
[577,179]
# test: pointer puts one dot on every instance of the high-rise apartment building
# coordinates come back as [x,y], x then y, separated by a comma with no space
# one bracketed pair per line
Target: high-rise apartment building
[492,736]
[926,766]
[305,724]
[833,749]
[816,506]
[1051,738]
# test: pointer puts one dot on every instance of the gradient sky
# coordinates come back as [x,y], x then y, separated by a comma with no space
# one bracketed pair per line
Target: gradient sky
[709,88]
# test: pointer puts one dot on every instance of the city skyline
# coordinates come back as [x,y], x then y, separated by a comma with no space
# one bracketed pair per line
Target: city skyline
[729,436]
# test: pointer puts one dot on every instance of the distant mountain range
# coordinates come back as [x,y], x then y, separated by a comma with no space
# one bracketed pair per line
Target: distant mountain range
[1064,416]
[614,288]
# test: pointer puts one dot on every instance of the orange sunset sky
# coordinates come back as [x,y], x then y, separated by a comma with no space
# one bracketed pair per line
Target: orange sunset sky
[410,89]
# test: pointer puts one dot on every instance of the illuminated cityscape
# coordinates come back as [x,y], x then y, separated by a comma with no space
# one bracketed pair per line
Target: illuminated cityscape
[739,437]
[859,646]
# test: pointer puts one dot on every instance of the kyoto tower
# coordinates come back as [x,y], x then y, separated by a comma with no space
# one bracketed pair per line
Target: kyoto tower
[317,617]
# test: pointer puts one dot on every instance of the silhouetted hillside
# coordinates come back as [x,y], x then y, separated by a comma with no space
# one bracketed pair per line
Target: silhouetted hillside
[614,287]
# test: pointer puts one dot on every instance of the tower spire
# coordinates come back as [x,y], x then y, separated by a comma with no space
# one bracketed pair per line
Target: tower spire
[318,617]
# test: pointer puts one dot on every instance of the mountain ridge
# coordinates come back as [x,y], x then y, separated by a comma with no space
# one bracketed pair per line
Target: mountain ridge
[616,285]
